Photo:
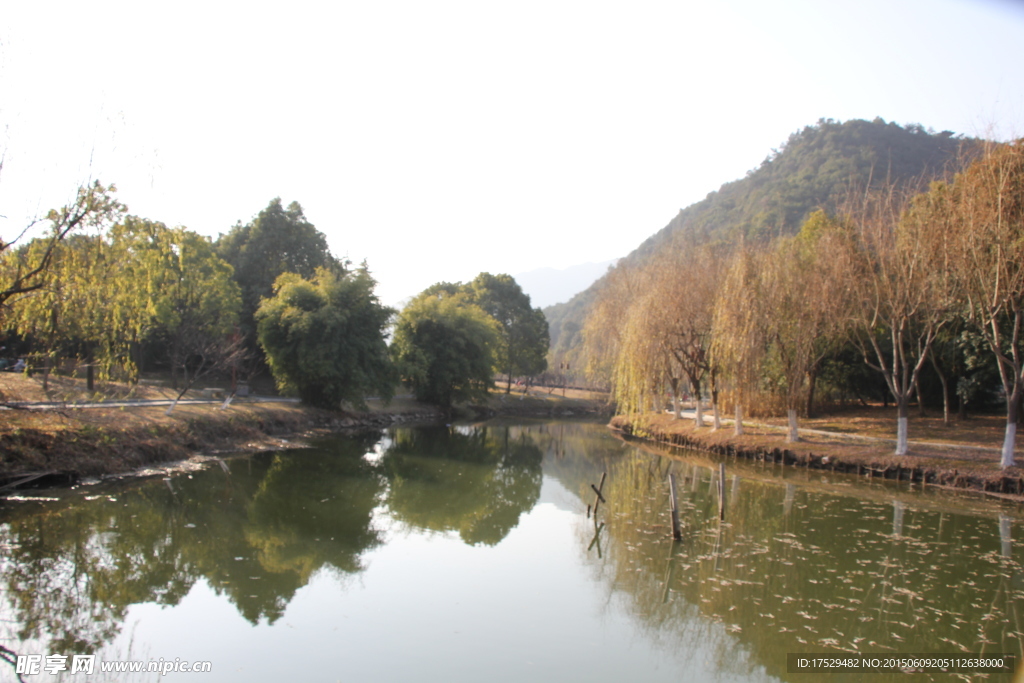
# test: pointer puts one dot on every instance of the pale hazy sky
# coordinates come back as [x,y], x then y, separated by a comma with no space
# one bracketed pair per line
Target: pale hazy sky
[439,139]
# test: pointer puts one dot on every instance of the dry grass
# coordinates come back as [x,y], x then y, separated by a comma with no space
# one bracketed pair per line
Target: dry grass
[19,387]
[87,441]
[116,439]
[961,454]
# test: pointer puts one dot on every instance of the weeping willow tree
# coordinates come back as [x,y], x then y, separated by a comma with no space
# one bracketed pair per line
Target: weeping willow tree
[739,332]
[69,315]
[651,328]
[89,308]
[804,286]
[645,364]
[686,281]
[602,332]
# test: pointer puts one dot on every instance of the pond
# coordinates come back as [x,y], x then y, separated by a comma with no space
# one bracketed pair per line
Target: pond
[467,553]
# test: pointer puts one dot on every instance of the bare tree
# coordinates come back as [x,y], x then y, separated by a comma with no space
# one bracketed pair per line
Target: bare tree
[901,291]
[204,354]
[987,223]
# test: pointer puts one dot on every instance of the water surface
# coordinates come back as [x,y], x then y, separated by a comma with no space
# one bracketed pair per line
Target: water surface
[467,554]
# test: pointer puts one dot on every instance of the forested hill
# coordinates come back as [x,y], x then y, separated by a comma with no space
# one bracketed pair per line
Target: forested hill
[814,169]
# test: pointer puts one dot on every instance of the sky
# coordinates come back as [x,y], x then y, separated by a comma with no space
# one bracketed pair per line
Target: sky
[436,140]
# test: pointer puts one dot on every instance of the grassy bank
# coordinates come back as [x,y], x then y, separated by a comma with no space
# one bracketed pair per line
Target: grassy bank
[964,455]
[70,442]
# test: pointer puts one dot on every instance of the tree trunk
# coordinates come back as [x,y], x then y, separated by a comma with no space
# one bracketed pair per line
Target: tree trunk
[698,412]
[738,423]
[1010,440]
[170,408]
[812,379]
[945,390]
[716,419]
[676,409]
[920,397]
[794,434]
[139,359]
[903,408]
[90,374]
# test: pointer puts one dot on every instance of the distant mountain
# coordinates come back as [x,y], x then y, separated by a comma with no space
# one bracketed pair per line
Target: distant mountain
[548,286]
[815,168]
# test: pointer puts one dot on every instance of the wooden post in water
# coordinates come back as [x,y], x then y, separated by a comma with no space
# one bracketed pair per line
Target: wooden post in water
[677,533]
[597,533]
[721,490]
[598,499]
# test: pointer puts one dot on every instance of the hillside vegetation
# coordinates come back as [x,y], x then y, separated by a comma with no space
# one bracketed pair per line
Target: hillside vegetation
[814,169]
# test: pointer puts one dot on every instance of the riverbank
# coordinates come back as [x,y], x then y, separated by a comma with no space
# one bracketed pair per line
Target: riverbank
[961,457]
[65,443]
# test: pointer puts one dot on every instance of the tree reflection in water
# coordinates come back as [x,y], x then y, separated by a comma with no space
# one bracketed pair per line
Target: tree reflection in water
[476,481]
[256,533]
[797,569]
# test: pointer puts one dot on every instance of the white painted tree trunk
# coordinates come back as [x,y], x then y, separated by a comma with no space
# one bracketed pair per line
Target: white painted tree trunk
[901,436]
[675,405]
[716,419]
[1008,443]
[227,402]
[698,414]
[170,408]
[738,422]
[794,433]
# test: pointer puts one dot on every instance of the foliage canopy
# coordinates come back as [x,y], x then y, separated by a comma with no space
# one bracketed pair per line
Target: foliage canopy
[444,348]
[324,337]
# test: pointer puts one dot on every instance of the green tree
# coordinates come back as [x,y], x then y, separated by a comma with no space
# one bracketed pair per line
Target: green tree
[190,300]
[523,330]
[478,483]
[444,348]
[279,240]
[324,337]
